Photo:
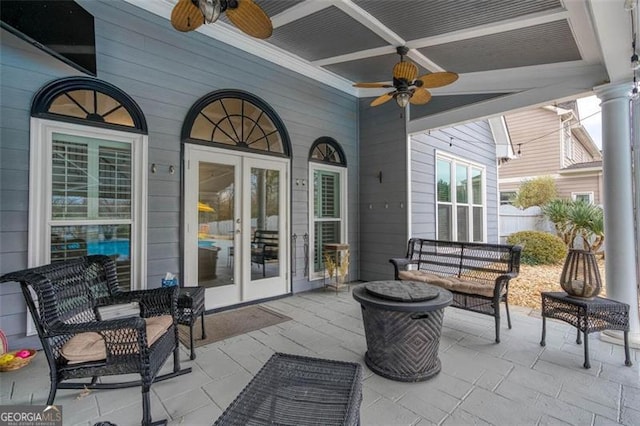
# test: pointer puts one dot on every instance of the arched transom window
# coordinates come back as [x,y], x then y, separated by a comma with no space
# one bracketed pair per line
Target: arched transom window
[237,120]
[327,150]
[90,102]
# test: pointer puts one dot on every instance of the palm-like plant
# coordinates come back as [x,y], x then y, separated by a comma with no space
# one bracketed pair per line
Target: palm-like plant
[557,211]
[573,218]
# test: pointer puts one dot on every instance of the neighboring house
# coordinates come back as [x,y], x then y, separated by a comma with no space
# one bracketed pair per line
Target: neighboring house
[550,141]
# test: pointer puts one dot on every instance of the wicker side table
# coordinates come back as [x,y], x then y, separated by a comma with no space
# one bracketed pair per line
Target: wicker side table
[190,306]
[298,390]
[587,316]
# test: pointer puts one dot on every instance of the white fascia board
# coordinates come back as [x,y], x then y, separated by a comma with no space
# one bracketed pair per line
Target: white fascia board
[501,137]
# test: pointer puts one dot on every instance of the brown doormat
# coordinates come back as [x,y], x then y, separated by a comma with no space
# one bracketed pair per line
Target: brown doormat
[227,324]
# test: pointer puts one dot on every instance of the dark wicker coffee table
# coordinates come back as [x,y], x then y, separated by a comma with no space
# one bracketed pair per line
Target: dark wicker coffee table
[297,390]
[588,316]
[402,323]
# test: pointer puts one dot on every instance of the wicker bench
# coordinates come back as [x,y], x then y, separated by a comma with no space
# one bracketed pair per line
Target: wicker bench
[298,390]
[477,274]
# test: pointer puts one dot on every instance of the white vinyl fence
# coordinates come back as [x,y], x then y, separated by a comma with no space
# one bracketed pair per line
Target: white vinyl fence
[227,227]
[513,219]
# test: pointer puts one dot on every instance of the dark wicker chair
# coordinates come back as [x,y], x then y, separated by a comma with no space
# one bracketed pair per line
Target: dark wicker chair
[65,298]
[264,248]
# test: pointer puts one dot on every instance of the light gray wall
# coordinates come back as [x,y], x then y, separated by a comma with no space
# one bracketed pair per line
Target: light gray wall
[473,142]
[23,70]
[383,205]
[165,72]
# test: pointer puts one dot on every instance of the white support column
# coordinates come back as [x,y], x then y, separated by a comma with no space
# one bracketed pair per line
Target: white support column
[635,135]
[620,243]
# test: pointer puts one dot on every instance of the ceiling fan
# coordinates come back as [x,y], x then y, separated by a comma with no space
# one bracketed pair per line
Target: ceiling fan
[187,15]
[408,87]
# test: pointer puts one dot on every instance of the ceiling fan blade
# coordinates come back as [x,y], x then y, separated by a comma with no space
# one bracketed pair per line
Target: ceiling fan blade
[251,19]
[372,85]
[405,69]
[186,16]
[382,99]
[438,79]
[420,96]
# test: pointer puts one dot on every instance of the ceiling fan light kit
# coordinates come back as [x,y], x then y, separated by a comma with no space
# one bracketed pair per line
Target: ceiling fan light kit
[402,99]
[188,15]
[210,9]
[408,88]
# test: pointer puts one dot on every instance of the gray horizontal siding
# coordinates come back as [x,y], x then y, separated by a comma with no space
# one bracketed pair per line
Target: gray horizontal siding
[24,69]
[383,222]
[472,142]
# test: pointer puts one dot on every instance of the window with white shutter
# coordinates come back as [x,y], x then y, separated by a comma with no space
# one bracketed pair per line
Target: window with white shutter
[327,177]
[88,177]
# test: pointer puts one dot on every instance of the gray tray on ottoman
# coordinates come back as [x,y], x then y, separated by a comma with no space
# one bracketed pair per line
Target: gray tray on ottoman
[297,390]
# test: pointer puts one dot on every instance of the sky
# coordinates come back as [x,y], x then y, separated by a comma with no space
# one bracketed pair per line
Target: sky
[589,106]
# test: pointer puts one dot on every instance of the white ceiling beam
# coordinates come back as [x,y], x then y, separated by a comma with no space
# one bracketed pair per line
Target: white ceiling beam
[298,11]
[570,88]
[369,21]
[491,28]
[512,79]
[583,31]
[613,28]
[522,78]
[427,63]
[362,54]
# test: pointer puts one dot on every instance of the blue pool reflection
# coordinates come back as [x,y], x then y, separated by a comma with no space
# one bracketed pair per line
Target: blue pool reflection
[110,248]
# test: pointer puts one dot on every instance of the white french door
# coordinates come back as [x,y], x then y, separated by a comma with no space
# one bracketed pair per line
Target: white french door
[227,198]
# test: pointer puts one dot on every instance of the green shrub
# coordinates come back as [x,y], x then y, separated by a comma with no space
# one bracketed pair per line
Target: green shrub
[539,248]
[535,192]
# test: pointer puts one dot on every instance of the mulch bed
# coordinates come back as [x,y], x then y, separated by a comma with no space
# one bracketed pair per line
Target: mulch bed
[525,290]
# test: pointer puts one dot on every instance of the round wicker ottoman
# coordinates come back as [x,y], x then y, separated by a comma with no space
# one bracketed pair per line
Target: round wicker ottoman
[402,323]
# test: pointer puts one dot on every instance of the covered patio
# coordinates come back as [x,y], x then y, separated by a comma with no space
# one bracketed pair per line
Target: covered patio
[383,164]
[517,382]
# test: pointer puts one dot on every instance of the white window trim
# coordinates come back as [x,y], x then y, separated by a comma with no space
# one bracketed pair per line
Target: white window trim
[574,195]
[342,171]
[40,192]
[454,213]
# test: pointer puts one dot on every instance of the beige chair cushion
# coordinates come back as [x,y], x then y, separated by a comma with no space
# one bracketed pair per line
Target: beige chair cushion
[450,283]
[90,346]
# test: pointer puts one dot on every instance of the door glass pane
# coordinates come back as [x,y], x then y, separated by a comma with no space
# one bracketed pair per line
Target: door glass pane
[265,217]
[444,181]
[444,222]
[216,228]
[68,242]
[463,223]
[461,184]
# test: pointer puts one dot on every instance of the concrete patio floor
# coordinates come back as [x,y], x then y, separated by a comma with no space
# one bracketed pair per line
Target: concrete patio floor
[516,382]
